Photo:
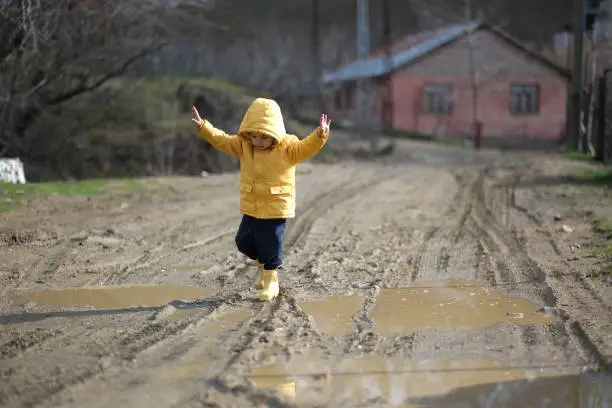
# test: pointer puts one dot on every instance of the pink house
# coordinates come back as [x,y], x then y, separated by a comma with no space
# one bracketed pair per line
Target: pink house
[441,82]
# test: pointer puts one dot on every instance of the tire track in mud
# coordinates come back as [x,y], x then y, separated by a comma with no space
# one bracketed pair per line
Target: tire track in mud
[156,333]
[511,268]
[299,228]
[144,332]
[578,284]
[498,258]
[175,350]
[285,310]
[117,349]
[163,250]
[433,255]
[140,337]
[382,270]
[513,262]
[589,302]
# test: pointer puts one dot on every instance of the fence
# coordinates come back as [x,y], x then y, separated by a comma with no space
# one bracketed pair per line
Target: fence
[602,118]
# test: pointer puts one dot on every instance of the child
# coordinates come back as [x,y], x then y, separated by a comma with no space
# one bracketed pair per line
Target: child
[268,157]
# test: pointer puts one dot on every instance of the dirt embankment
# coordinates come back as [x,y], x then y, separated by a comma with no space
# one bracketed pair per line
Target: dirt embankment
[432,277]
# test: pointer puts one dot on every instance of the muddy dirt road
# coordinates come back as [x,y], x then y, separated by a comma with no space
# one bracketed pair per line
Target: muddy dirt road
[428,279]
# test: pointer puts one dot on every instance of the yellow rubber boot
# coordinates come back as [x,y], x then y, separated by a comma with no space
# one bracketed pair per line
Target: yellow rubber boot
[259,283]
[270,289]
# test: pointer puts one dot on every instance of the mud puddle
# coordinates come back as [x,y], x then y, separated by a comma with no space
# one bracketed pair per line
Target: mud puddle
[451,305]
[475,382]
[333,315]
[116,297]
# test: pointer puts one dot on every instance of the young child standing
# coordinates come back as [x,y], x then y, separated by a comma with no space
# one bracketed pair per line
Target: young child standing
[268,158]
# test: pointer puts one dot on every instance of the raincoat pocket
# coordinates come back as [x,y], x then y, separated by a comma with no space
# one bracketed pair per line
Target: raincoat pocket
[281,198]
[247,198]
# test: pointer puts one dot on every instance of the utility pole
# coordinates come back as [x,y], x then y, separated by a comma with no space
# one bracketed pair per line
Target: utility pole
[476,126]
[363,49]
[574,122]
[316,54]
[387,117]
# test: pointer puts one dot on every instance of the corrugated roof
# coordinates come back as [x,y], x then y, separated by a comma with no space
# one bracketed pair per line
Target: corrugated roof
[381,65]
[408,41]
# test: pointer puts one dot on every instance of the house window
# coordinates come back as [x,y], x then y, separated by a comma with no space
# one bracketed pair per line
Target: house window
[339,99]
[524,99]
[437,99]
[344,96]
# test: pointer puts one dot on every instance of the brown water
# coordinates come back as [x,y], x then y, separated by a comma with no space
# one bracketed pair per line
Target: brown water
[117,297]
[470,383]
[333,315]
[450,305]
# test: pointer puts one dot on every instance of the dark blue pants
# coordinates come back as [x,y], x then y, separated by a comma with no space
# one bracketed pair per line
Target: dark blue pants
[262,240]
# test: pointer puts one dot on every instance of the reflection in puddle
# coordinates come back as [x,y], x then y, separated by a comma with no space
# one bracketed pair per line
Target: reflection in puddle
[284,377]
[452,305]
[469,383]
[116,297]
[334,314]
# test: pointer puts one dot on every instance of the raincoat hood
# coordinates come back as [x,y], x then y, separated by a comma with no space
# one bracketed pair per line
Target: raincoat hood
[264,116]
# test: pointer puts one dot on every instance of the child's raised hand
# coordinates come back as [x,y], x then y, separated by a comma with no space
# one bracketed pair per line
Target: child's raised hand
[195,117]
[324,123]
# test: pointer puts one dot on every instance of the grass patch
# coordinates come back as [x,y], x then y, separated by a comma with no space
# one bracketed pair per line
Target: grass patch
[8,206]
[12,196]
[603,177]
[154,101]
[607,250]
[604,226]
[579,156]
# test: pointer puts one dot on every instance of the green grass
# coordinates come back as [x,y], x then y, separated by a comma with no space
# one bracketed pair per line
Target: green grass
[8,206]
[603,226]
[579,156]
[153,100]
[607,250]
[603,177]
[12,196]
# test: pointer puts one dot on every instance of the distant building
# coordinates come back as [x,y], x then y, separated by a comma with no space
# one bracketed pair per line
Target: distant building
[423,83]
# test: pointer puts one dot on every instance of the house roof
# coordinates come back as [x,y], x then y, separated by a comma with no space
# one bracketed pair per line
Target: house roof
[412,47]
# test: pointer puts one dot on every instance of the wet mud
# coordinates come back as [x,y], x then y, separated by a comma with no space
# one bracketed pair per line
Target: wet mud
[417,280]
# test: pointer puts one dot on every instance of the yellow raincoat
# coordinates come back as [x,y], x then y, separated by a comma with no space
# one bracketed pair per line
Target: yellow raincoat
[267,177]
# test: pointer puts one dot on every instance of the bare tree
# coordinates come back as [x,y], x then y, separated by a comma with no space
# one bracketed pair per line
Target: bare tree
[56,50]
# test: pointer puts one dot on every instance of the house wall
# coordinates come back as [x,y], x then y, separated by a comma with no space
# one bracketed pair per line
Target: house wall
[498,64]
[347,113]
[493,108]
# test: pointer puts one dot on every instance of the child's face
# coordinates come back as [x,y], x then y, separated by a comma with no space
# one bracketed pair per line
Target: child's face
[261,142]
